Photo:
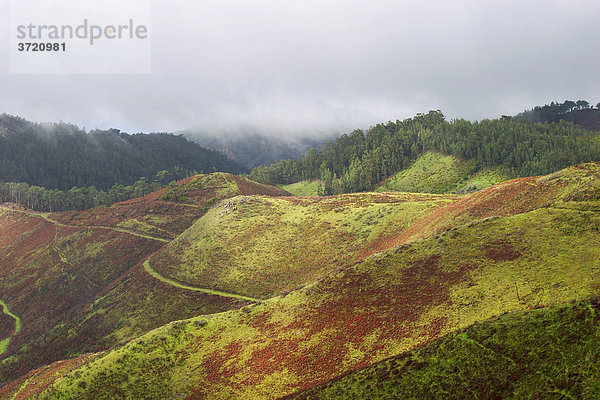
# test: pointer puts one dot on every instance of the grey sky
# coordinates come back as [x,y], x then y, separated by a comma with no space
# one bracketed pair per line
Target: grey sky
[328,65]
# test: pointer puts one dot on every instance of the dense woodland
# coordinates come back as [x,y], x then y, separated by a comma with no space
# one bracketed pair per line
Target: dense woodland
[555,112]
[360,160]
[41,199]
[62,156]
[61,167]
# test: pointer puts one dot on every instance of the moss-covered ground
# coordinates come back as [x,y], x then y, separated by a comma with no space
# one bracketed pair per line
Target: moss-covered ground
[549,353]
[262,246]
[303,188]
[438,173]
[347,281]
[384,306]
[77,279]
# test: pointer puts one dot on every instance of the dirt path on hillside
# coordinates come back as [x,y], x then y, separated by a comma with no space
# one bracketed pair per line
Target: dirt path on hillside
[172,282]
[145,263]
[46,217]
[4,343]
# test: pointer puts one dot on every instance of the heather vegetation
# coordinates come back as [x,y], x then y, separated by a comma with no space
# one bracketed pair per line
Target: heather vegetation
[452,277]
[431,276]
[545,353]
[381,307]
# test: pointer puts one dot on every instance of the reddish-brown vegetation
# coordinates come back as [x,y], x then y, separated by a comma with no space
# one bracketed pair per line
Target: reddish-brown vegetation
[356,308]
[501,250]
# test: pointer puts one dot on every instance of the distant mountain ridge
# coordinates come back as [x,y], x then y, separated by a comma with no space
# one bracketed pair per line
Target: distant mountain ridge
[579,112]
[252,149]
[61,155]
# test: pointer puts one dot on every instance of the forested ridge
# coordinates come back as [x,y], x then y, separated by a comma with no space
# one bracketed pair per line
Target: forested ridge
[62,156]
[360,160]
[568,110]
[80,198]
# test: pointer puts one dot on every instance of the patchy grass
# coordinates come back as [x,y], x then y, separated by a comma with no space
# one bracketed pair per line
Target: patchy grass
[148,268]
[541,354]
[384,306]
[263,246]
[5,342]
[483,178]
[77,280]
[346,304]
[303,188]
[438,173]
[430,173]
[219,185]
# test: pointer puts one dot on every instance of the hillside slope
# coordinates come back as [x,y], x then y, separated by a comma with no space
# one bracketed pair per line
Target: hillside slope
[77,282]
[477,268]
[541,354]
[437,173]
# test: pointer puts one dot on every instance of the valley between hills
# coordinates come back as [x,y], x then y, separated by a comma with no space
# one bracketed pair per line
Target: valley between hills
[221,287]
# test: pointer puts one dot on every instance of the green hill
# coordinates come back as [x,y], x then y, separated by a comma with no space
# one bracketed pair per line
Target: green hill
[363,159]
[437,173]
[303,188]
[461,261]
[541,354]
[77,282]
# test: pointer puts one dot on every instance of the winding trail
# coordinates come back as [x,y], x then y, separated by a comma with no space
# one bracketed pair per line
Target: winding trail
[4,343]
[110,228]
[172,282]
[145,263]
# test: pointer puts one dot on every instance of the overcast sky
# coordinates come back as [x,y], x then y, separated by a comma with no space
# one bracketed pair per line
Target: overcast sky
[313,66]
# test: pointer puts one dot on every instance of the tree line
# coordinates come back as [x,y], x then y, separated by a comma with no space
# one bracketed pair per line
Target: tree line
[555,112]
[360,160]
[62,156]
[81,198]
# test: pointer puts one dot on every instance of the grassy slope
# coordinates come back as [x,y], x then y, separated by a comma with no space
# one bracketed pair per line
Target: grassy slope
[544,354]
[241,245]
[388,304]
[77,280]
[303,188]
[262,246]
[17,326]
[437,173]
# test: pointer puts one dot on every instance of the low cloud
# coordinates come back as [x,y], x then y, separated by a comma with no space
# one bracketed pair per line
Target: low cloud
[322,66]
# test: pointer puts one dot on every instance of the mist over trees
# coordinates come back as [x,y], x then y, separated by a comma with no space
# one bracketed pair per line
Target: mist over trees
[555,112]
[360,160]
[250,148]
[62,156]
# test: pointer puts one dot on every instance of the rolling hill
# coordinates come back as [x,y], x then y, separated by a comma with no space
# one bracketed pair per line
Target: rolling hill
[437,173]
[76,279]
[269,296]
[542,353]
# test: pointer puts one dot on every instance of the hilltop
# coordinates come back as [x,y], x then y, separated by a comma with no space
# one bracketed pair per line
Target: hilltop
[360,161]
[424,266]
[61,155]
[579,112]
